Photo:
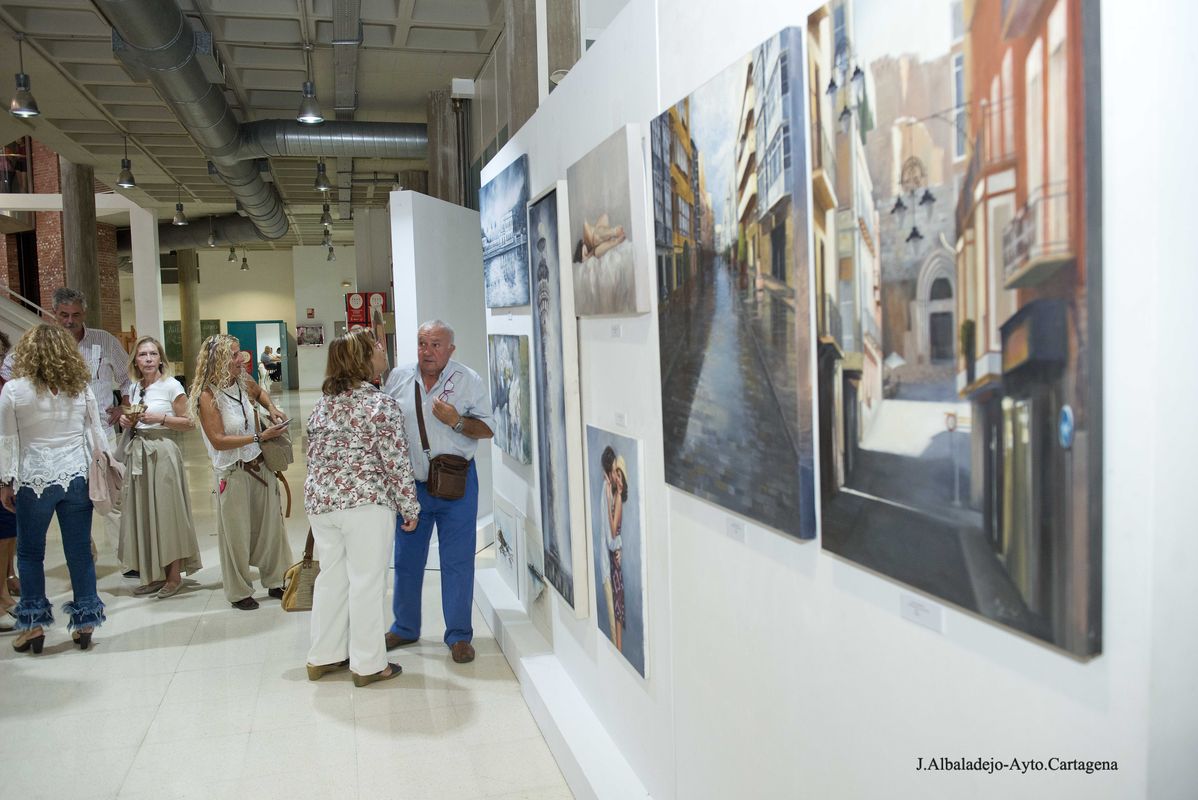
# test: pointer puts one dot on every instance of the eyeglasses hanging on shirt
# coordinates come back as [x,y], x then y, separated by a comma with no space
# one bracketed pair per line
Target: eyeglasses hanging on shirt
[447,389]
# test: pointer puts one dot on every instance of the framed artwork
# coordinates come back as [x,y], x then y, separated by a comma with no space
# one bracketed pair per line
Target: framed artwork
[508,533]
[734,290]
[959,305]
[559,426]
[618,541]
[606,188]
[309,334]
[505,236]
[510,398]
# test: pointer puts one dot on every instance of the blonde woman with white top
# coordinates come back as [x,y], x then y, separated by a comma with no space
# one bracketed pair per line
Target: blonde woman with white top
[45,413]
[249,520]
[158,537]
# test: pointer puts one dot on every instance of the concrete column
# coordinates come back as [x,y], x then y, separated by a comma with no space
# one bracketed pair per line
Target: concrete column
[444,178]
[147,273]
[79,235]
[520,39]
[563,23]
[189,306]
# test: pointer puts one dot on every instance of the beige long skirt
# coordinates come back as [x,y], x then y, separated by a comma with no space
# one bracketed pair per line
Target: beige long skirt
[156,524]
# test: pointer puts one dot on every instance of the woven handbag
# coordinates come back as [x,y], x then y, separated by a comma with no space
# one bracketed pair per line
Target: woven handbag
[300,580]
[105,476]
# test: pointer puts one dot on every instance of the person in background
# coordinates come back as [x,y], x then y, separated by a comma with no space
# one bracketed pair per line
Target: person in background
[8,537]
[248,519]
[106,362]
[158,536]
[457,415]
[359,480]
[46,410]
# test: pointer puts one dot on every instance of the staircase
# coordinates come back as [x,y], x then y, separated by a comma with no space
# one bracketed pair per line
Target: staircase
[15,316]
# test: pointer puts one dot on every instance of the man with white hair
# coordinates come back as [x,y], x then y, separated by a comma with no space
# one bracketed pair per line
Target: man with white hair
[107,367]
[456,413]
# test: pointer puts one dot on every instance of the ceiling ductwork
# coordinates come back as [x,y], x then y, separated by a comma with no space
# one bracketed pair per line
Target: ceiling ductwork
[153,38]
[282,137]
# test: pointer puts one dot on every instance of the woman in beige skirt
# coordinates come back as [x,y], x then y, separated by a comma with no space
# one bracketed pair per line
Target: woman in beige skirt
[249,522]
[158,537]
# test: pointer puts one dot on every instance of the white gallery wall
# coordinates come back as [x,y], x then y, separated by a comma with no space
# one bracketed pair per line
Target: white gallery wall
[318,286]
[777,670]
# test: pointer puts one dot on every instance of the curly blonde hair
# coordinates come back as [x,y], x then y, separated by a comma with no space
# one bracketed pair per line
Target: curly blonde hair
[49,357]
[212,369]
[164,364]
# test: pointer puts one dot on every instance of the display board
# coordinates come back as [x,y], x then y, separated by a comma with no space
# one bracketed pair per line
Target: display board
[606,204]
[614,499]
[559,430]
[734,290]
[958,317]
[510,395]
[505,236]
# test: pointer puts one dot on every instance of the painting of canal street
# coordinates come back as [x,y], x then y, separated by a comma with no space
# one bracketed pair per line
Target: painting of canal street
[954,197]
[731,237]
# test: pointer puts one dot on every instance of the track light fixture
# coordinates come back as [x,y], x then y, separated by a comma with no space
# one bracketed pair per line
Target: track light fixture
[309,108]
[23,104]
[125,179]
[180,217]
[322,179]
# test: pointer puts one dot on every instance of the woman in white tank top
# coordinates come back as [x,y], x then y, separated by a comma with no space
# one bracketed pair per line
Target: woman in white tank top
[249,520]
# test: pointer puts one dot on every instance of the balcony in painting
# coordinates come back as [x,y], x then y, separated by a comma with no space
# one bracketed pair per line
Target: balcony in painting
[823,169]
[1037,242]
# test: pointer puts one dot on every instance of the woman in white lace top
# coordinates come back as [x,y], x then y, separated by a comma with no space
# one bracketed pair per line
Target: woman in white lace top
[44,458]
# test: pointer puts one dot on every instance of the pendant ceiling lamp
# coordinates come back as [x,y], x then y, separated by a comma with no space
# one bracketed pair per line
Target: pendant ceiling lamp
[309,108]
[23,104]
[125,180]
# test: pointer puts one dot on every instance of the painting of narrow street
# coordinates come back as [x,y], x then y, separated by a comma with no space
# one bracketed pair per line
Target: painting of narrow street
[730,221]
[955,264]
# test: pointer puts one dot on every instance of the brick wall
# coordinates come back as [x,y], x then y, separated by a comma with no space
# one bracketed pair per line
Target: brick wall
[110,281]
[10,273]
[50,264]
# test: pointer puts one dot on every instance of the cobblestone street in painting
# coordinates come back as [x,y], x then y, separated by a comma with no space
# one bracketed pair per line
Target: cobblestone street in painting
[726,438]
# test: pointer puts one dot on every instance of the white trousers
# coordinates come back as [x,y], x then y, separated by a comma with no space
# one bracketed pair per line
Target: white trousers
[354,547]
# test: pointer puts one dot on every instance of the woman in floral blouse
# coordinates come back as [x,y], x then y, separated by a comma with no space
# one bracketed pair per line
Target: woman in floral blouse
[359,478]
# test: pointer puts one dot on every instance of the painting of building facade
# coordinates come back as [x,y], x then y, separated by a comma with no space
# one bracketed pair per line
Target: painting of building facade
[617,541]
[551,314]
[510,395]
[505,236]
[956,270]
[730,230]
[605,205]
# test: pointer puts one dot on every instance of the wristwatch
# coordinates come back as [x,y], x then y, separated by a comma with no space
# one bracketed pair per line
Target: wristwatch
[460,425]
[257,438]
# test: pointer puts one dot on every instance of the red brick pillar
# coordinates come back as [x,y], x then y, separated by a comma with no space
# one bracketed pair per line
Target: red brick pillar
[50,264]
[110,278]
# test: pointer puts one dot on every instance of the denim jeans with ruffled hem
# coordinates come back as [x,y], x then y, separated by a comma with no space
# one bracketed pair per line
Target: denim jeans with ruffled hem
[34,512]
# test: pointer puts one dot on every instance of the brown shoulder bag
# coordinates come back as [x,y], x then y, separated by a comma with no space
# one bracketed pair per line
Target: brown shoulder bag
[447,474]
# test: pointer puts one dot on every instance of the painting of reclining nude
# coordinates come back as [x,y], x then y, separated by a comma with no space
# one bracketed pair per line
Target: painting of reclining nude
[605,200]
[957,304]
[730,219]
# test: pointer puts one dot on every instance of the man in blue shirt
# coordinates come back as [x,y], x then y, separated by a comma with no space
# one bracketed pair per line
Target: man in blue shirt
[457,414]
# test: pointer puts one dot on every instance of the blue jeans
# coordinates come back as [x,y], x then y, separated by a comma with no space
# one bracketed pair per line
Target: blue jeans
[456,521]
[74,509]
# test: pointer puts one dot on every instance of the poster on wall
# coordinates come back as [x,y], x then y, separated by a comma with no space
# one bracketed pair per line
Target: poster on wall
[617,541]
[508,534]
[362,308]
[309,334]
[555,344]
[730,237]
[958,310]
[505,236]
[606,196]
[510,398]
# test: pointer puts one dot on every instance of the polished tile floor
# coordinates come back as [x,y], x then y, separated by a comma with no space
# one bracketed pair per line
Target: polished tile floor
[187,697]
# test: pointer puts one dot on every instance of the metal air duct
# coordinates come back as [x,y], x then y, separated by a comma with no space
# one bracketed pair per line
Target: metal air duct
[286,137]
